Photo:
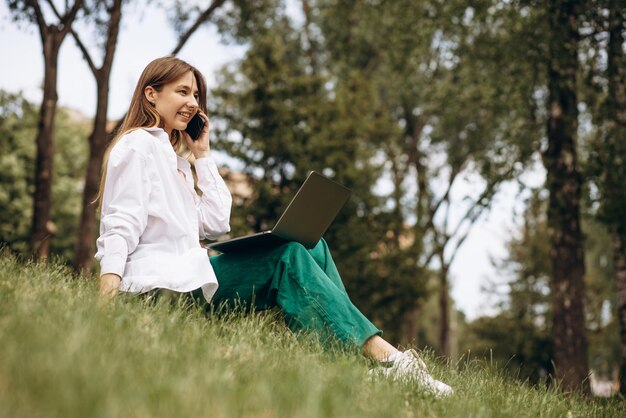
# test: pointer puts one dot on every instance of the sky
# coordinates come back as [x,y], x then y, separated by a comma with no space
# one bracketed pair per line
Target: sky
[144,38]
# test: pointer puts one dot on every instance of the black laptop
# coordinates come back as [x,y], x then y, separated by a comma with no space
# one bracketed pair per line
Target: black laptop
[307,217]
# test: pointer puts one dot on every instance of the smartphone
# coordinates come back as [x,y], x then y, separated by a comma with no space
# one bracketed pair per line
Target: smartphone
[195,126]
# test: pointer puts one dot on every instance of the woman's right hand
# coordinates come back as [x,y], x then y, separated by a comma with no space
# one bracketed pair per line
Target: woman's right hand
[201,147]
[109,284]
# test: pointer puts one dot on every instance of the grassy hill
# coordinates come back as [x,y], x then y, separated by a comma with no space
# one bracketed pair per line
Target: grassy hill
[65,353]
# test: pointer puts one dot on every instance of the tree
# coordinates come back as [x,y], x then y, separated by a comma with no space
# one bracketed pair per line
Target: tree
[388,82]
[451,114]
[601,300]
[18,129]
[614,142]
[84,250]
[52,36]
[607,99]
[522,331]
[564,183]
[519,336]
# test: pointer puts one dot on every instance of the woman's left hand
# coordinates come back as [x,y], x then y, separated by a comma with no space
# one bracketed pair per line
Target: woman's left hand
[200,147]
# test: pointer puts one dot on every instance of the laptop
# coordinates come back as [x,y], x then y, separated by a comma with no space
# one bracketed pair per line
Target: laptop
[307,217]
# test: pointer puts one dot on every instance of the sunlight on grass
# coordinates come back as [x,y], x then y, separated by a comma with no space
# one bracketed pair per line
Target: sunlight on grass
[65,353]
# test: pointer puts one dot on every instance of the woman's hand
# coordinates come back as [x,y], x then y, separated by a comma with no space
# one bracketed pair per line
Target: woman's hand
[200,147]
[109,284]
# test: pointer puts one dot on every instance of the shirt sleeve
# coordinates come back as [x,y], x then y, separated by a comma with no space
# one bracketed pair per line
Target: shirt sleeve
[124,209]
[214,205]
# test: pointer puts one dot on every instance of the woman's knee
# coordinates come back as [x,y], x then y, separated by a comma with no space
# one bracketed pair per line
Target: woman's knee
[294,248]
[297,258]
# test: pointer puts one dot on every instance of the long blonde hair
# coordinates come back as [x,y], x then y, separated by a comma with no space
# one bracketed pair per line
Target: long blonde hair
[142,114]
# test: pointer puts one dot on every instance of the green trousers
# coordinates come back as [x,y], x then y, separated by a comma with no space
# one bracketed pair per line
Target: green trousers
[304,284]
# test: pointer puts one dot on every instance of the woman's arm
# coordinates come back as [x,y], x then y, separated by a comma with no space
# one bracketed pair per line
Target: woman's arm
[214,205]
[124,211]
[109,284]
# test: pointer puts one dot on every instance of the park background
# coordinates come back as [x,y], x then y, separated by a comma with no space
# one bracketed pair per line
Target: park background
[434,113]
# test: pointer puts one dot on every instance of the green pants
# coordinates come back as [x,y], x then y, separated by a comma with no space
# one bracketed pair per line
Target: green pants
[304,284]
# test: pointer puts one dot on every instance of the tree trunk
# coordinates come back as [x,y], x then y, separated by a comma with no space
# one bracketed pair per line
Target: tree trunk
[615,123]
[42,228]
[85,241]
[52,37]
[411,327]
[564,184]
[444,312]
[619,267]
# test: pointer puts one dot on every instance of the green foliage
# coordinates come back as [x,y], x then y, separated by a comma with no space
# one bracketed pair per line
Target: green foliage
[281,118]
[485,107]
[420,92]
[601,300]
[465,75]
[21,11]
[18,130]
[239,20]
[65,353]
[69,171]
[519,336]
[522,348]
[452,93]
[604,94]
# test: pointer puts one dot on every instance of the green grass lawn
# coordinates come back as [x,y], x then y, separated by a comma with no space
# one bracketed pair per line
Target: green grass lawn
[65,353]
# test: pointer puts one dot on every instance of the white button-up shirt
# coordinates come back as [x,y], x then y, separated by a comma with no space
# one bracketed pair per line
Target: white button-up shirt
[152,218]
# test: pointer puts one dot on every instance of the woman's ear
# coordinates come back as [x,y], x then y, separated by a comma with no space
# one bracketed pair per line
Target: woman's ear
[150,94]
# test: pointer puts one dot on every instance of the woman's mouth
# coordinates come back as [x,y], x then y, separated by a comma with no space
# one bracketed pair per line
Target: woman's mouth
[186,115]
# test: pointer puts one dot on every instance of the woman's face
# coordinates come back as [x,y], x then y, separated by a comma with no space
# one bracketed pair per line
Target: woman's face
[176,103]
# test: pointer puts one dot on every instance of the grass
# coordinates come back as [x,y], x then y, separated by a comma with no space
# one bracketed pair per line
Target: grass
[65,353]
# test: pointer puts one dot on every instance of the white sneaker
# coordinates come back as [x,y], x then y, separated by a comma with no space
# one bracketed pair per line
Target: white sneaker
[408,367]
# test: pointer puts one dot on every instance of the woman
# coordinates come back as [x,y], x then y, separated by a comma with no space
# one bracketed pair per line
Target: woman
[152,220]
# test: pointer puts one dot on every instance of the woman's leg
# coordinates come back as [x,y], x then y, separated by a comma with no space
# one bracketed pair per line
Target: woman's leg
[375,347]
[306,286]
[378,349]
[323,258]
[303,283]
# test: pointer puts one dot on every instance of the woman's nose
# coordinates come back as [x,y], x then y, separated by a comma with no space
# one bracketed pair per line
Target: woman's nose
[193,103]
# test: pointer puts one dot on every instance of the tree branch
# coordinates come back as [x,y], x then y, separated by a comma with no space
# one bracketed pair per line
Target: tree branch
[41,21]
[433,211]
[70,16]
[66,22]
[79,43]
[471,215]
[476,210]
[114,29]
[115,15]
[54,9]
[472,221]
[473,212]
[86,55]
[67,19]
[200,20]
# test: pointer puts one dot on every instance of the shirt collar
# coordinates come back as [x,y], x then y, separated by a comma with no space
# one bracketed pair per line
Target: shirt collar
[183,164]
[159,133]
[164,139]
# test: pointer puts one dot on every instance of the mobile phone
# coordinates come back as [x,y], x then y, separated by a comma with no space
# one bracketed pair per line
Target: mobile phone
[195,126]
